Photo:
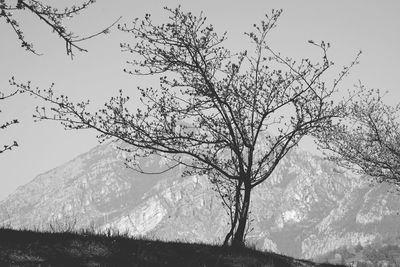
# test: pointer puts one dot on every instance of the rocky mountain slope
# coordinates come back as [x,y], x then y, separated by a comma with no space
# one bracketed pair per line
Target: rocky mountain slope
[307,208]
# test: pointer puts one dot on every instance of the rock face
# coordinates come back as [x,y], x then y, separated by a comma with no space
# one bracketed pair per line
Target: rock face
[307,207]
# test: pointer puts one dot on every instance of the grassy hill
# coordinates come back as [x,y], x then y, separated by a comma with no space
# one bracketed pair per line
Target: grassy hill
[31,248]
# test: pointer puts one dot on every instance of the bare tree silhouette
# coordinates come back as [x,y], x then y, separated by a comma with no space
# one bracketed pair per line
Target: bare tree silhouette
[230,116]
[54,18]
[367,137]
[51,16]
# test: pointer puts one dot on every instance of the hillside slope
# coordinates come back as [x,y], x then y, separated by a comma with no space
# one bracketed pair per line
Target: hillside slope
[27,248]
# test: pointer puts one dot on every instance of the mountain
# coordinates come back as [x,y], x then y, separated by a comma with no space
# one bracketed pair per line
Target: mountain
[307,208]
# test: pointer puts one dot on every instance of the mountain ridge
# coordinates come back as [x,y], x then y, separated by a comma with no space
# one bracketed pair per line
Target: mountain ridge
[306,208]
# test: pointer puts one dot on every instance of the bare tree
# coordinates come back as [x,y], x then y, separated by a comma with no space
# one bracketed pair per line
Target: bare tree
[230,116]
[7,124]
[51,16]
[367,138]
[54,18]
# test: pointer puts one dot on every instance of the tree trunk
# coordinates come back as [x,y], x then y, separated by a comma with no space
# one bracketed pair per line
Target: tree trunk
[238,238]
[238,197]
[233,226]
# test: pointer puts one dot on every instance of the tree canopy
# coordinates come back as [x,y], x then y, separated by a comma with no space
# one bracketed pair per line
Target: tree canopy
[229,115]
[366,138]
[53,17]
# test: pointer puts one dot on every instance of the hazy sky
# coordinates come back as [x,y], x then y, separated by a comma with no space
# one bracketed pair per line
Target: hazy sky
[370,26]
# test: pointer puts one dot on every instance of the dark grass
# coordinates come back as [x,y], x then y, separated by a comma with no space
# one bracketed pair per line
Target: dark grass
[33,248]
